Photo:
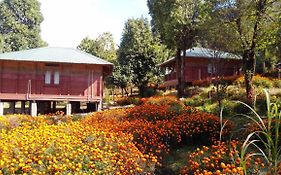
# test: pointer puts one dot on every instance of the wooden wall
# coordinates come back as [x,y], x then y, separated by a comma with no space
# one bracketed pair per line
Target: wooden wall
[75,79]
[197,68]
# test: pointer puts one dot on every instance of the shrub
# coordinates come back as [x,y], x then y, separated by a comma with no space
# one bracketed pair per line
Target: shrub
[225,79]
[197,100]
[165,100]
[264,82]
[258,81]
[123,101]
[149,91]
[277,83]
[191,91]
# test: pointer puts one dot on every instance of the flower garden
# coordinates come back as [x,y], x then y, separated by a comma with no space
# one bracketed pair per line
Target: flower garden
[121,141]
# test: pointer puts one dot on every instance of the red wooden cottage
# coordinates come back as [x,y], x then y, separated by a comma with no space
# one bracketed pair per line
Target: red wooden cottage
[44,76]
[201,64]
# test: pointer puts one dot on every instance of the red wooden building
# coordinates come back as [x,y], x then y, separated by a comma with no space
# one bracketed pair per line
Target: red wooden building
[47,75]
[201,64]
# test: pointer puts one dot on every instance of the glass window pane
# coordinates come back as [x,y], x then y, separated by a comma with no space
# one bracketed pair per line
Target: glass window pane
[57,77]
[48,77]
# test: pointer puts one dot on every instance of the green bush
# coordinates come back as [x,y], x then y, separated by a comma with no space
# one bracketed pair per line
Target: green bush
[262,82]
[196,100]
[128,101]
[149,92]
[258,81]
[277,83]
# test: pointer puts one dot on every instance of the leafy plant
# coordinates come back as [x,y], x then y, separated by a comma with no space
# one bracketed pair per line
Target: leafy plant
[267,134]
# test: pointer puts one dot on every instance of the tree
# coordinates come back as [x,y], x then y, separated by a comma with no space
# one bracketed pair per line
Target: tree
[177,22]
[119,79]
[249,22]
[103,46]
[1,44]
[20,24]
[137,53]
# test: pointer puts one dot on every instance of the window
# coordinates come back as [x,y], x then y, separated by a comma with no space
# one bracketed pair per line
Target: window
[52,74]
[57,77]
[210,67]
[48,77]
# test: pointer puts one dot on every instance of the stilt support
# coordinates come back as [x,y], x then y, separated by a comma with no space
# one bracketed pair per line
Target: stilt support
[33,109]
[68,108]
[1,108]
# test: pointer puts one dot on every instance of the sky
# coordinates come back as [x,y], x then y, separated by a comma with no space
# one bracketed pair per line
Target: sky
[67,22]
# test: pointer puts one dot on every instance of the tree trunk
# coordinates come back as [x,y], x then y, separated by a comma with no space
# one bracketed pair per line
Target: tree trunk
[180,86]
[249,70]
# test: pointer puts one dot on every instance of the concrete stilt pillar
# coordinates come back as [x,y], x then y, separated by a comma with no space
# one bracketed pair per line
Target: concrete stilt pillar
[33,109]
[68,108]
[54,106]
[100,105]
[1,108]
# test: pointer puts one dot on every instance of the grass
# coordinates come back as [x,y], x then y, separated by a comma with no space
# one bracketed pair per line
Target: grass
[267,133]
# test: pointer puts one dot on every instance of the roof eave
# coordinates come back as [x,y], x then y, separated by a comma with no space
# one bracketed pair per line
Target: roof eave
[42,61]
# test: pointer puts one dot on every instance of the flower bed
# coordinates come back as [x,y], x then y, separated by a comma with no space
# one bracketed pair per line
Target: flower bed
[40,148]
[157,128]
[220,158]
[120,141]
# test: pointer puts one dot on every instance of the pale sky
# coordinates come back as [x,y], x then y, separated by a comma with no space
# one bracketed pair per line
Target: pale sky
[67,22]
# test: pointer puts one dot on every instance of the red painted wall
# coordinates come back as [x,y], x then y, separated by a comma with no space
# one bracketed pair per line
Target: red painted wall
[197,68]
[74,79]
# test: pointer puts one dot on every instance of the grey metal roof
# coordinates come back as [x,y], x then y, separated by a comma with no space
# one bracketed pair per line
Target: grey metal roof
[54,55]
[206,53]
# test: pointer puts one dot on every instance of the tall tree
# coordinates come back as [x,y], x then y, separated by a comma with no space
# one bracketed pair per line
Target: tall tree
[20,24]
[249,22]
[103,46]
[177,22]
[137,54]
[1,44]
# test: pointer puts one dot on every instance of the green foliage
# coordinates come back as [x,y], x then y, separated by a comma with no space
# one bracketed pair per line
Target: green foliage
[20,25]
[177,23]
[261,82]
[252,24]
[118,77]
[138,53]
[270,140]
[1,44]
[123,101]
[277,83]
[103,46]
